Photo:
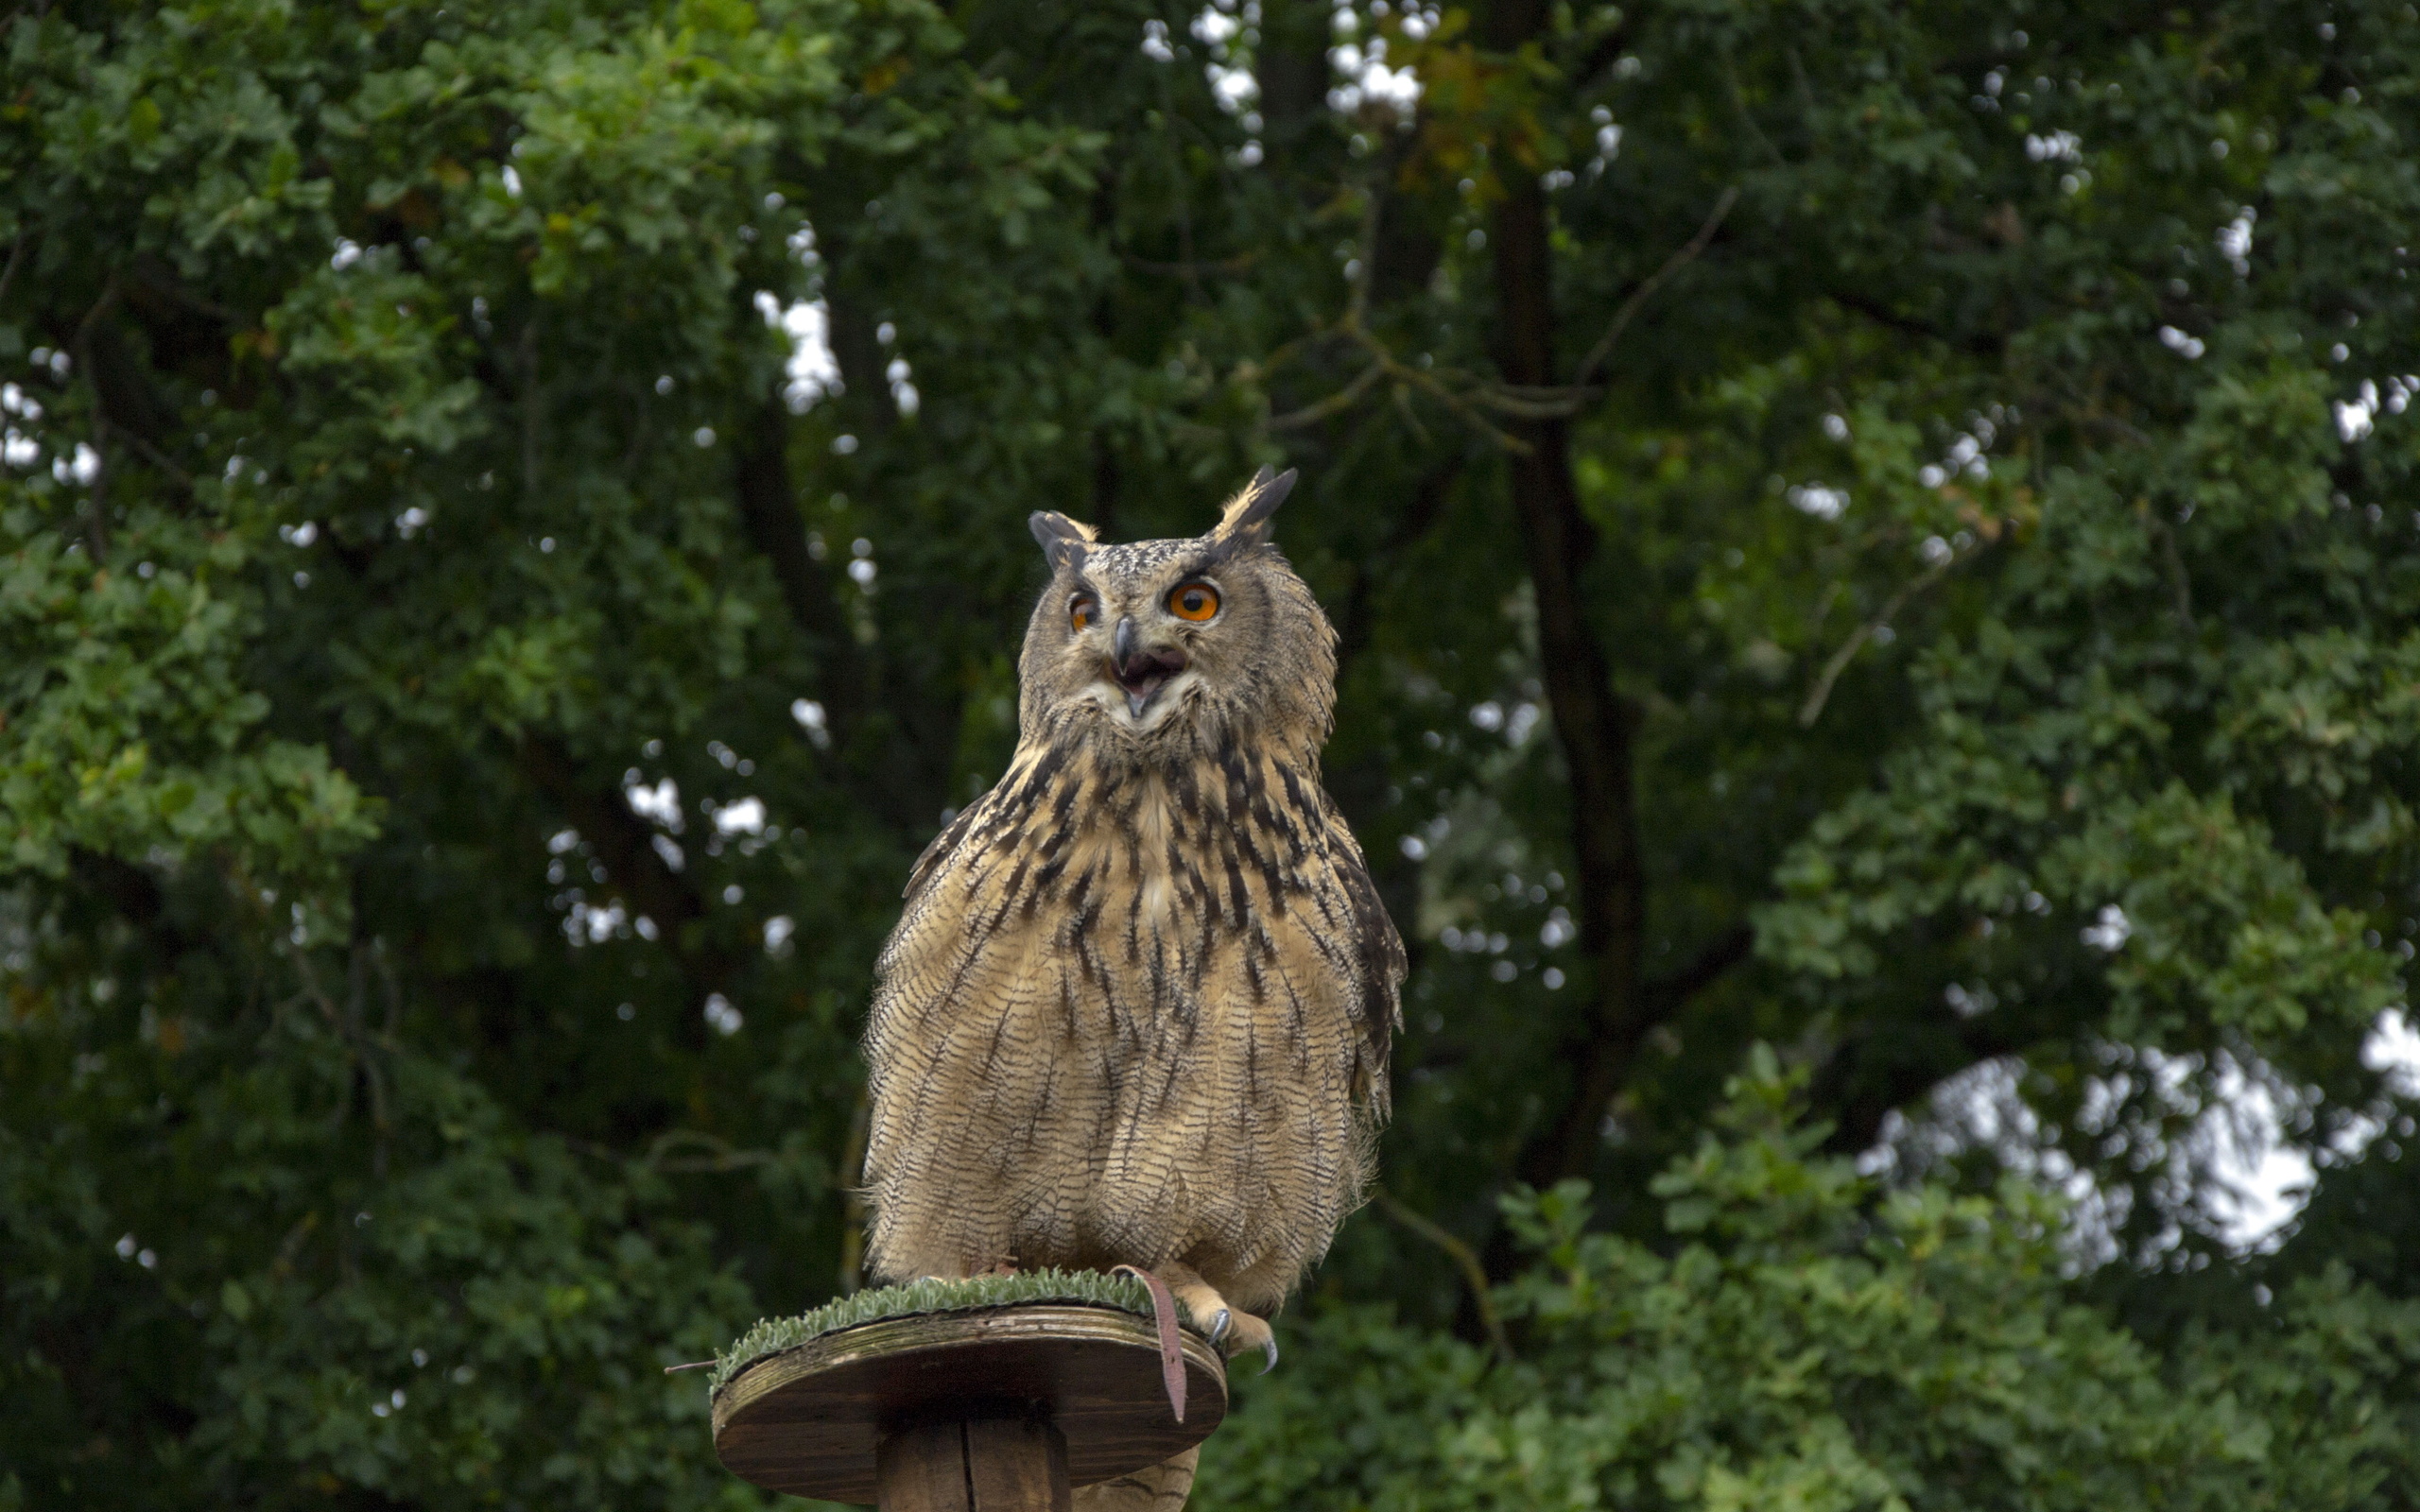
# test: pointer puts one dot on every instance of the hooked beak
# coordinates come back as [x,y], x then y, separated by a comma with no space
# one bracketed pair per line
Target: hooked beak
[1138,672]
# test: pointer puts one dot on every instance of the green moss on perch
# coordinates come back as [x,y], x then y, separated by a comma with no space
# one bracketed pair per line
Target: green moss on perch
[1088,1288]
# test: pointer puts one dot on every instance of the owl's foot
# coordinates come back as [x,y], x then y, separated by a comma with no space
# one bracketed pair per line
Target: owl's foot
[1231,1330]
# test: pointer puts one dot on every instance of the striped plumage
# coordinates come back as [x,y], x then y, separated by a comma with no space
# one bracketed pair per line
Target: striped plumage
[1137,1010]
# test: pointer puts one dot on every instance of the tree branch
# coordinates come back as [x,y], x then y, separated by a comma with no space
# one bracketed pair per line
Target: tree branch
[898,748]
[1888,1066]
[16,259]
[134,895]
[1586,371]
[626,847]
[1356,621]
[1223,268]
[1709,966]
[1317,410]
[1882,315]
[1813,708]
[1817,696]
[769,509]
[1465,1260]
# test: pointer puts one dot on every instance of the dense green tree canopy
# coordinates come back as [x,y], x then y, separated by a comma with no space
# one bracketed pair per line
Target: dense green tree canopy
[1877,563]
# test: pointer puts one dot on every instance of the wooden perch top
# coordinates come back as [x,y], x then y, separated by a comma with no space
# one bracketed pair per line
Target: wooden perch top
[808,1421]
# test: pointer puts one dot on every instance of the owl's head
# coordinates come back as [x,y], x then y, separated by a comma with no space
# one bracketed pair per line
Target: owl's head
[1171,644]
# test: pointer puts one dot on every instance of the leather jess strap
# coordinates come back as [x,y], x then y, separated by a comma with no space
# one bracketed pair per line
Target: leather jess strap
[1171,1352]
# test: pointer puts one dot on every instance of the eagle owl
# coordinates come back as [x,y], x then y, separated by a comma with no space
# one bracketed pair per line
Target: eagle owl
[1137,1008]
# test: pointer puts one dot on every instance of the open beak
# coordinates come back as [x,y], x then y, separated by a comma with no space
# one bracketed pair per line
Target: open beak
[1138,672]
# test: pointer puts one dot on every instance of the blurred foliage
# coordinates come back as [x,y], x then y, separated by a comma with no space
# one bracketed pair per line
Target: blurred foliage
[1881,531]
[1807,1340]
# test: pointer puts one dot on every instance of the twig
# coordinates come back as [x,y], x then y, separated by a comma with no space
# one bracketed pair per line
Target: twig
[83,340]
[1385,364]
[1473,1275]
[720,1155]
[1222,267]
[1710,964]
[1402,395]
[394,991]
[1813,709]
[1639,296]
[1747,118]
[97,509]
[1365,266]
[2088,411]
[1186,270]
[1253,370]
[16,258]
[1520,400]
[1342,399]
[159,459]
[1429,384]
[346,1021]
[530,395]
[1521,403]
[166,285]
[2178,581]
[1356,306]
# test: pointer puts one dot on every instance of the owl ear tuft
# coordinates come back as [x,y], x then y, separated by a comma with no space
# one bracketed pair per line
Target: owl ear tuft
[1063,539]
[1245,521]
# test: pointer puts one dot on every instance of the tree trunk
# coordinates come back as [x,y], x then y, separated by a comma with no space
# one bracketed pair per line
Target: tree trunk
[1593,724]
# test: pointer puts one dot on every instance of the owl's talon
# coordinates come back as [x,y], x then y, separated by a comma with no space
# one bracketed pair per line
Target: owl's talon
[1220,1325]
[1269,1349]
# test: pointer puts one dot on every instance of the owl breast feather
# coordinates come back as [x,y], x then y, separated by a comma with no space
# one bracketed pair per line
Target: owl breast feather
[1132,1016]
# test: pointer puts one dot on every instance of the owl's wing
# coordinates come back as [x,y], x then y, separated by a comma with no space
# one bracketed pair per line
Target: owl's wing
[1376,949]
[944,845]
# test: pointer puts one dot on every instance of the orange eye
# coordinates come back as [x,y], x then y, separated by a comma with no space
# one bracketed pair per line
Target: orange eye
[1194,601]
[1081,610]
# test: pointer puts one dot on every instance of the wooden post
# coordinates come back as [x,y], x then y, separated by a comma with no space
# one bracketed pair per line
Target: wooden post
[987,1465]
